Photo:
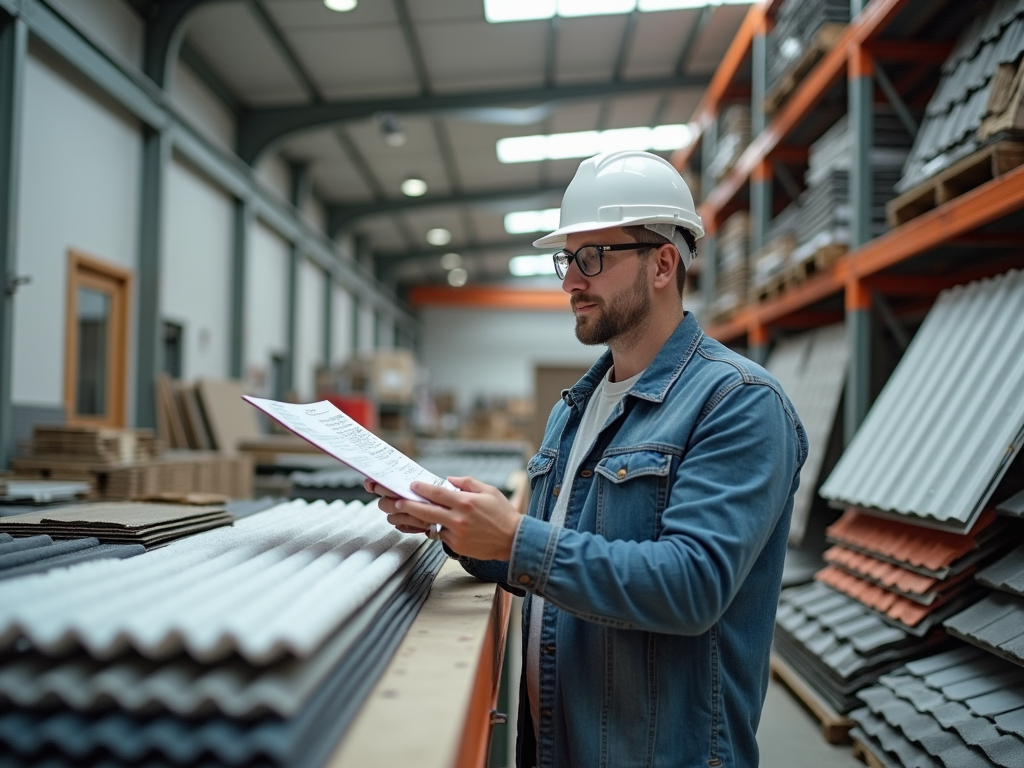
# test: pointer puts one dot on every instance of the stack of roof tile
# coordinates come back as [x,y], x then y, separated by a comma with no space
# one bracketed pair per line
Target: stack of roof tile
[796,26]
[733,138]
[780,241]
[956,110]
[959,709]
[120,522]
[250,645]
[733,263]
[837,645]
[34,554]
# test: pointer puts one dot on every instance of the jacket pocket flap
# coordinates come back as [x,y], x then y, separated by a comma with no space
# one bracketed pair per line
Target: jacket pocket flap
[540,465]
[626,466]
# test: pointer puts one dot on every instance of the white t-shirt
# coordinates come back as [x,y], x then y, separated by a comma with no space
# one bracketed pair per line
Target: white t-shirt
[600,407]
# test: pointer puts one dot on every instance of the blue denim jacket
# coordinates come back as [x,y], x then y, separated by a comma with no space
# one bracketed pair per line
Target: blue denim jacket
[661,589]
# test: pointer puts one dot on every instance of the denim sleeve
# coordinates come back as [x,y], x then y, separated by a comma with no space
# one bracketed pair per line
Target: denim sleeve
[732,486]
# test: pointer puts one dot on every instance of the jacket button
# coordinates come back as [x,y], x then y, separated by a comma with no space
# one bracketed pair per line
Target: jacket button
[545,713]
[555,492]
[524,579]
[620,474]
[549,649]
[586,473]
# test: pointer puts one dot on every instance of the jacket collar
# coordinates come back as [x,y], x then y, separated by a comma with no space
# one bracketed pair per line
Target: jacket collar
[659,376]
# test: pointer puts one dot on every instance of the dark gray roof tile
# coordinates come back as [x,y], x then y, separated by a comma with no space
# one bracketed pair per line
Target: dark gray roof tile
[1006,574]
[997,702]
[939,661]
[995,623]
[1011,722]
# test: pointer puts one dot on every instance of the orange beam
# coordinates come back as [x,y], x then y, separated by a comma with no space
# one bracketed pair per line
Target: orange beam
[488,297]
[871,21]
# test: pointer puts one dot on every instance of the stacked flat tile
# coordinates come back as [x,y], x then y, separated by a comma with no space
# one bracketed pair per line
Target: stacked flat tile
[733,280]
[734,136]
[950,420]
[959,104]
[811,367]
[825,210]
[250,645]
[345,484]
[911,576]
[35,554]
[837,645]
[961,708]
[796,26]
[780,242]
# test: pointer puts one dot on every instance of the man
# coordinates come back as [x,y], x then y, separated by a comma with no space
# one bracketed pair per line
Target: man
[661,498]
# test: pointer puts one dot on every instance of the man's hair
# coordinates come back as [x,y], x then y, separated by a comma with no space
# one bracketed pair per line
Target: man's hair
[642,234]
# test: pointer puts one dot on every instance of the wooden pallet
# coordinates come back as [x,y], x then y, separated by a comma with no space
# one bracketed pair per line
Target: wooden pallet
[797,273]
[866,755]
[972,171]
[824,40]
[834,726]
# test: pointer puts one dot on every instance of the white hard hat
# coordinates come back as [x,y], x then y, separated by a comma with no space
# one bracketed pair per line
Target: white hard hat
[623,189]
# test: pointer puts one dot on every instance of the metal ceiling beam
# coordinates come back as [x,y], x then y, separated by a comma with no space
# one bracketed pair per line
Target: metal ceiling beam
[340,217]
[412,43]
[692,38]
[261,127]
[164,32]
[285,50]
[624,45]
[201,67]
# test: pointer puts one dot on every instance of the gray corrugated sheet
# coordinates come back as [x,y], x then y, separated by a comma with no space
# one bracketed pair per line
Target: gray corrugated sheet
[275,584]
[1013,505]
[995,623]
[303,741]
[950,419]
[1006,574]
[185,687]
[43,491]
[955,710]
[811,368]
[35,554]
[957,107]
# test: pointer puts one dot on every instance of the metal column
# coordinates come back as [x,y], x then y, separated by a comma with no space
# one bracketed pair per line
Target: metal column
[239,251]
[328,335]
[858,296]
[757,344]
[709,269]
[13,52]
[299,188]
[760,204]
[156,152]
[759,78]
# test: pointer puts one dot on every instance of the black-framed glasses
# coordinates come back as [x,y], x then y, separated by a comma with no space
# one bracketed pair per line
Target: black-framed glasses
[590,258]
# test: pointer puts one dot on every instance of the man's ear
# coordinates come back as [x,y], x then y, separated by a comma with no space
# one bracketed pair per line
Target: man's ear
[666,262]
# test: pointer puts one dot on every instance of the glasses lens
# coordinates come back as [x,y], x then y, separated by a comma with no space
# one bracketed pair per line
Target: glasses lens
[561,260]
[589,260]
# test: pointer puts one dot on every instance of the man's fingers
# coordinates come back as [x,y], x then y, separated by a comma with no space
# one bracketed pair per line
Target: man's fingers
[470,484]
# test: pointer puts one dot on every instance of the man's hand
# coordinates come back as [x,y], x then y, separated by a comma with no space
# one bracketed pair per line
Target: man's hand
[476,521]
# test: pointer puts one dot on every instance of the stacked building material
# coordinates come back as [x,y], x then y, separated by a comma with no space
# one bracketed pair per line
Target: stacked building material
[804,30]
[825,210]
[977,87]
[733,280]
[811,367]
[921,469]
[733,138]
[780,242]
[250,645]
[962,707]
[41,491]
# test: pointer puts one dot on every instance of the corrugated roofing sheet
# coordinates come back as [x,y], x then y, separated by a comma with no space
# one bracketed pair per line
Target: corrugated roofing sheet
[950,419]
[1013,505]
[811,368]
[956,710]
[995,623]
[1006,574]
[35,554]
[310,565]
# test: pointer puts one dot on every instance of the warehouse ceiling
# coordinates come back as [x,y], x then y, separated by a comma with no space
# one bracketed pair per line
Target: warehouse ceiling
[327,90]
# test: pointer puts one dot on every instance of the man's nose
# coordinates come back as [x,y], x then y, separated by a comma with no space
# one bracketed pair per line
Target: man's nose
[574,280]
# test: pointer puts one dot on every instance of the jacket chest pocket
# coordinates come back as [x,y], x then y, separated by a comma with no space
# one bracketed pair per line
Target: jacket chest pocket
[539,473]
[632,492]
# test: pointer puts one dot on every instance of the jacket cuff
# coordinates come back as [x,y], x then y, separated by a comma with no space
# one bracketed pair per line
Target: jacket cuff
[533,551]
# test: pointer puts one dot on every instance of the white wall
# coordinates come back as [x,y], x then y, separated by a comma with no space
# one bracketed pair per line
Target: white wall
[266,292]
[273,174]
[341,326]
[195,290]
[475,353]
[202,109]
[309,337]
[80,175]
[367,328]
[112,23]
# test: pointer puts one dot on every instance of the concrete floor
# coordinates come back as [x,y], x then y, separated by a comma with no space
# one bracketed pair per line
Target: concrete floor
[790,737]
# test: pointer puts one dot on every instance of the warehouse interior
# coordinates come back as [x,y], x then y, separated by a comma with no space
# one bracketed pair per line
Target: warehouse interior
[336,200]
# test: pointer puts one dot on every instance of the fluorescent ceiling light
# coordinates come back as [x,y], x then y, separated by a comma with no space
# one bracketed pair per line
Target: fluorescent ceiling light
[521,222]
[340,5]
[451,261]
[457,277]
[439,236]
[532,264]
[496,11]
[560,146]
[414,187]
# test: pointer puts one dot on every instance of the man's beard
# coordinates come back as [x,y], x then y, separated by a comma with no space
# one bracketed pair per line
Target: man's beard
[623,315]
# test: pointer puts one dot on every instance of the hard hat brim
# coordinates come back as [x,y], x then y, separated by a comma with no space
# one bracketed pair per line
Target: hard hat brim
[556,239]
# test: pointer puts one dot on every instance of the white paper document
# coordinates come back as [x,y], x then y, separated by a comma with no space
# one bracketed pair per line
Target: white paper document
[332,431]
